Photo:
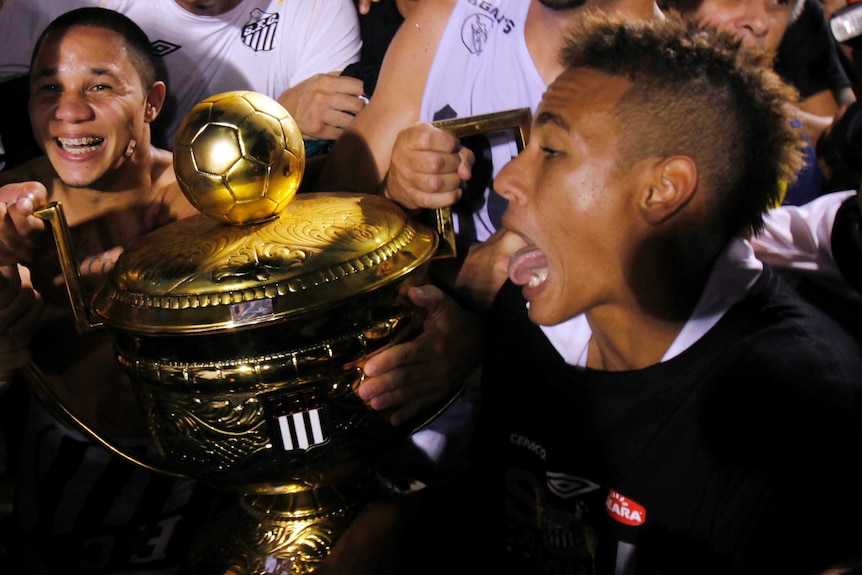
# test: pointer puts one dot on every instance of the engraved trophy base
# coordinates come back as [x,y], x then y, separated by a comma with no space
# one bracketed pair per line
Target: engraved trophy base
[276,534]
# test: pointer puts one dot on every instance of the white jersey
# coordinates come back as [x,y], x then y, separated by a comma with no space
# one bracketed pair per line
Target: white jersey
[266,46]
[482,65]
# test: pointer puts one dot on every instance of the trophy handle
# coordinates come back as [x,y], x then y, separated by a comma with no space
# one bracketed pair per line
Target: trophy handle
[56,218]
[55,407]
[518,120]
[53,214]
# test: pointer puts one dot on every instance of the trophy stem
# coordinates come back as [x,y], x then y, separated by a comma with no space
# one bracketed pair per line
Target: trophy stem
[277,534]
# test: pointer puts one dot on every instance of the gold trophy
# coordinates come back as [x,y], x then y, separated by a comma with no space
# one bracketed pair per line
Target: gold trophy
[245,328]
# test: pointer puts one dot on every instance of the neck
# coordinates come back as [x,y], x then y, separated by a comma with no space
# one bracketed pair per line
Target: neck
[135,172]
[628,341]
[636,330]
[209,8]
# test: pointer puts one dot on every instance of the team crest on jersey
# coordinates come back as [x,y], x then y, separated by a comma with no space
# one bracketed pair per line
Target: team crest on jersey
[298,419]
[259,33]
[475,32]
[624,510]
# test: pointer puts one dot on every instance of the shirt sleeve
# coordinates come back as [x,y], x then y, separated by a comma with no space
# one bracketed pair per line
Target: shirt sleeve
[331,38]
[799,238]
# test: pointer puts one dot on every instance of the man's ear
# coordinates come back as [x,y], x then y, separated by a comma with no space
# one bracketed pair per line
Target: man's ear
[155,101]
[672,184]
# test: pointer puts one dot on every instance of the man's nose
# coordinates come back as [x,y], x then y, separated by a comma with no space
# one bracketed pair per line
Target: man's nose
[72,106]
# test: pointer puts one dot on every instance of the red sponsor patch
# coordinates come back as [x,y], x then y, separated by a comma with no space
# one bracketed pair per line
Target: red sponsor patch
[624,509]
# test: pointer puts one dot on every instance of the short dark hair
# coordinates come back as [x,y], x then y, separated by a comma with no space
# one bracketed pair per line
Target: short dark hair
[137,43]
[697,92]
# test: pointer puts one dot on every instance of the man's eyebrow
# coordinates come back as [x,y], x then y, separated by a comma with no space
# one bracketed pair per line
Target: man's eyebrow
[45,73]
[552,118]
[102,72]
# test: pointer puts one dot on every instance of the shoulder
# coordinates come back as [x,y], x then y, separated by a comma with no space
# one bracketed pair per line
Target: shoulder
[411,52]
[403,74]
[317,10]
[784,343]
[162,167]
[169,198]
[847,241]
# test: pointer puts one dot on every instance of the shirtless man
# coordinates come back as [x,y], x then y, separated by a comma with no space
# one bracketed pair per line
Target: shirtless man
[94,95]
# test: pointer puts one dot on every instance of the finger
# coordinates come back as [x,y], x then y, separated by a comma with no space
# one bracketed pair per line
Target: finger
[340,116]
[391,358]
[404,390]
[10,285]
[346,85]
[467,159]
[15,192]
[429,297]
[424,136]
[389,390]
[18,227]
[348,104]
[25,326]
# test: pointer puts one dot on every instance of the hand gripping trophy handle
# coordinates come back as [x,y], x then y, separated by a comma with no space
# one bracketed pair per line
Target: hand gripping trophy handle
[53,214]
[517,120]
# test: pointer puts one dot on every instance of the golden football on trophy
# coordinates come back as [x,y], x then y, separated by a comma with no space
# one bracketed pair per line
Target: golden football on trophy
[239,157]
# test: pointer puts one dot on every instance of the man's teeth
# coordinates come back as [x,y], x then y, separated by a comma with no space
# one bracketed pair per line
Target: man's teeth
[80,145]
[538,277]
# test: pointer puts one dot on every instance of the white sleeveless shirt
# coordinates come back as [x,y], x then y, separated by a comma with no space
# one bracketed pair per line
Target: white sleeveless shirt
[482,65]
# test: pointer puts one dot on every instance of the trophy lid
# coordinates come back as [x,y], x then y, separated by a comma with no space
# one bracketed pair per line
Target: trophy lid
[199,274]
[257,253]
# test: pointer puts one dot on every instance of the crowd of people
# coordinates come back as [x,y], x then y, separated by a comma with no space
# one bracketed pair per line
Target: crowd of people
[649,383]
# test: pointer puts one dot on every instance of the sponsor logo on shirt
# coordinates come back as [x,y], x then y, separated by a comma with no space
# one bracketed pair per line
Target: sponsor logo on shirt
[624,510]
[259,33]
[162,48]
[566,486]
[494,12]
[529,445]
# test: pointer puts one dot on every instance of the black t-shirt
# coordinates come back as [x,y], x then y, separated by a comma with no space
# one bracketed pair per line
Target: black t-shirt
[731,457]
[808,57]
[377,29]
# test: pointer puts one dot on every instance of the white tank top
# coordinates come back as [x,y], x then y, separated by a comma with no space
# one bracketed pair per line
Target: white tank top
[482,65]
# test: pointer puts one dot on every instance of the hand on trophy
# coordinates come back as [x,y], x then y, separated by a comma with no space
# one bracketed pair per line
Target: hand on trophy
[414,376]
[21,309]
[18,226]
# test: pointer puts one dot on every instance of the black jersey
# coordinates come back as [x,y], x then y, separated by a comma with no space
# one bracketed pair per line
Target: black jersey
[738,455]
[79,509]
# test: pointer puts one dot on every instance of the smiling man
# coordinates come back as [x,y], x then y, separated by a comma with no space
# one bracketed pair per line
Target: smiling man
[94,95]
[683,411]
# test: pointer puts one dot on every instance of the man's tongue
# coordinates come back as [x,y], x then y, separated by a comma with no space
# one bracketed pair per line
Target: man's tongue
[528,266]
